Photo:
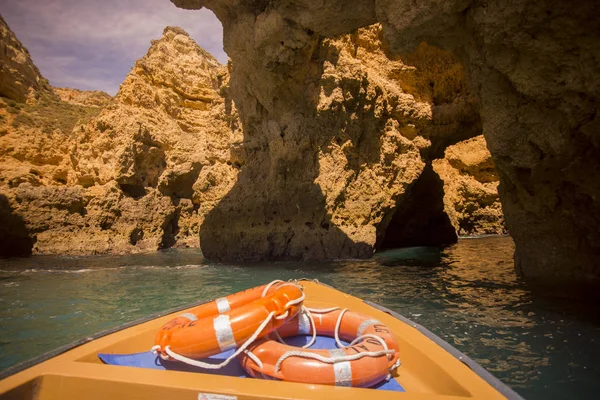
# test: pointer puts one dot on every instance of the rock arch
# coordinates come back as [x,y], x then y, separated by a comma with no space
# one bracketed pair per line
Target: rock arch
[533,66]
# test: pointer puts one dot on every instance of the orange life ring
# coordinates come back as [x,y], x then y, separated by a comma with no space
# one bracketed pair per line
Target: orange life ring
[270,358]
[217,306]
[228,322]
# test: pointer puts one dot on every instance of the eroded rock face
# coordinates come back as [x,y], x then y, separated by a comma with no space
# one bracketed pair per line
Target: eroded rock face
[533,65]
[141,174]
[35,161]
[35,125]
[346,165]
[335,133]
[20,79]
[165,143]
[471,198]
[14,236]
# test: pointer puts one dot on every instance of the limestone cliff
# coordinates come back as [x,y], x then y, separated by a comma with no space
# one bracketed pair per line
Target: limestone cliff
[336,133]
[344,169]
[20,79]
[36,132]
[35,125]
[35,140]
[139,175]
[162,149]
[533,66]
[35,160]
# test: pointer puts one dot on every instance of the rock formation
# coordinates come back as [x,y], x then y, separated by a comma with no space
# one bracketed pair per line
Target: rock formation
[35,126]
[20,80]
[139,175]
[471,188]
[35,136]
[162,151]
[345,169]
[532,65]
[336,133]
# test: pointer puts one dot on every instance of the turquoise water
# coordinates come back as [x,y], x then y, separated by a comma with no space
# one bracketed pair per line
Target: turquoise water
[468,294]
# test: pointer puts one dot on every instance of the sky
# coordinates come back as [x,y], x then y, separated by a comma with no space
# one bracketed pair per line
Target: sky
[92,44]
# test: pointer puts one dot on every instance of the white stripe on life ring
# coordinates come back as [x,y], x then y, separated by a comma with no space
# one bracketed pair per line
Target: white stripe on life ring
[223,332]
[342,370]
[223,305]
[189,316]
[364,325]
[303,324]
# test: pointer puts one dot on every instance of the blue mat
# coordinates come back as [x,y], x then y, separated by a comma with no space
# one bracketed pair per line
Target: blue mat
[149,360]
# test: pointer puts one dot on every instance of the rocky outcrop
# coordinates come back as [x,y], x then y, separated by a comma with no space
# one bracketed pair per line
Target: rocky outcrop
[533,65]
[20,79]
[164,145]
[35,160]
[35,141]
[35,125]
[471,188]
[141,174]
[335,134]
[101,219]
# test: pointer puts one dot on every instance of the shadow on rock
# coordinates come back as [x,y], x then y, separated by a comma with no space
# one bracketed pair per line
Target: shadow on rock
[14,236]
[420,219]
[333,147]
[251,225]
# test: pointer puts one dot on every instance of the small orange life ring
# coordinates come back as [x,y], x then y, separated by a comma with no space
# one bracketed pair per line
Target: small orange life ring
[364,363]
[229,322]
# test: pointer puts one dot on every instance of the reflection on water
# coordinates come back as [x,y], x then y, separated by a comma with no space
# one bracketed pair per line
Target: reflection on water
[467,293]
[491,304]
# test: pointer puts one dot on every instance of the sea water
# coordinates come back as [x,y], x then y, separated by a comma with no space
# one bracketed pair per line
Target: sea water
[468,294]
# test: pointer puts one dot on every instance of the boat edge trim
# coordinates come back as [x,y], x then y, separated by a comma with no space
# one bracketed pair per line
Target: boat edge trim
[70,346]
[484,374]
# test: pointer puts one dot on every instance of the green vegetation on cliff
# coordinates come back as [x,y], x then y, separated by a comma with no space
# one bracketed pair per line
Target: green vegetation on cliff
[49,114]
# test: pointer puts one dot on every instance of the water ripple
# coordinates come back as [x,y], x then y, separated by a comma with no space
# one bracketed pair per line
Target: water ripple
[467,293]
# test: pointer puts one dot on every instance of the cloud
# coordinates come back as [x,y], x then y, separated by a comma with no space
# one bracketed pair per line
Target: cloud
[91,44]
